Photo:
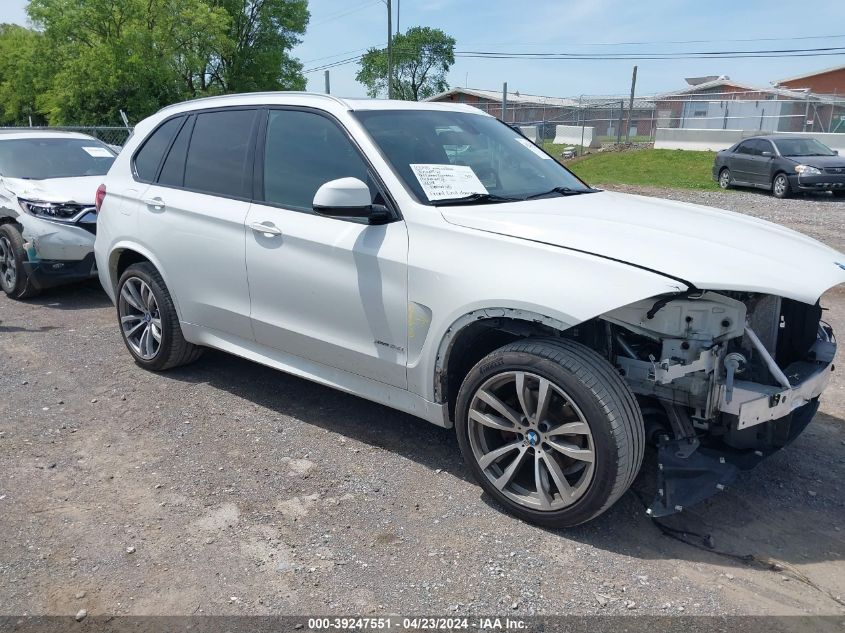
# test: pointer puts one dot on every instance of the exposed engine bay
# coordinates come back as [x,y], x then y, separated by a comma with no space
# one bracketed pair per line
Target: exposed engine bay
[723,378]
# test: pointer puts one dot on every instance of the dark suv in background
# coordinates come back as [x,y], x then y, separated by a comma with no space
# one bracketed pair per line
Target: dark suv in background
[782,164]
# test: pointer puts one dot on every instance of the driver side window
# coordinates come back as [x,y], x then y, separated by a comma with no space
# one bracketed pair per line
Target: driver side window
[303,151]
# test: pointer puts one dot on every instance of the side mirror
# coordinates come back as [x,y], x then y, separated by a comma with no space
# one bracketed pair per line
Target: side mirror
[836,152]
[348,198]
[766,154]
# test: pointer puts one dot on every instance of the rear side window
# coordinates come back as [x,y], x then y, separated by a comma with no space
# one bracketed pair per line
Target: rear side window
[148,159]
[173,170]
[219,159]
[303,151]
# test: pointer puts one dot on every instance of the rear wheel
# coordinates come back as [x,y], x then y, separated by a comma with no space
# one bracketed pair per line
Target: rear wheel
[13,277]
[550,430]
[148,320]
[780,186]
[725,178]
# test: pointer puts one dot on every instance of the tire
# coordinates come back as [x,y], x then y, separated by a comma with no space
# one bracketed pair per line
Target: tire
[144,305]
[602,414]
[725,178]
[780,186]
[13,277]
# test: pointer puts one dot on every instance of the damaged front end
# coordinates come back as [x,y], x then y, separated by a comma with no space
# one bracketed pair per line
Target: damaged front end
[58,242]
[724,379]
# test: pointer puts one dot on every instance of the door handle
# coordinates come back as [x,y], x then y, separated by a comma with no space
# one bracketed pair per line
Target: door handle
[155,203]
[267,229]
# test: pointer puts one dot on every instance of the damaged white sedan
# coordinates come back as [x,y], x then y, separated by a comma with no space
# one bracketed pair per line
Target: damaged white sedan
[48,185]
[430,258]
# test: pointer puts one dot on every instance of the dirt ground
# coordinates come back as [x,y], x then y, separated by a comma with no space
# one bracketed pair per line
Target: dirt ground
[229,488]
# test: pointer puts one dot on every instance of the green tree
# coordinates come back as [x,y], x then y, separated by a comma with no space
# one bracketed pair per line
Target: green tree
[139,55]
[23,73]
[262,32]
[134,55]
[421,58]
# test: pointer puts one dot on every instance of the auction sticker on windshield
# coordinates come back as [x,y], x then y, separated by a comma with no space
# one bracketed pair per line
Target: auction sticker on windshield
[98,152]
[441,182]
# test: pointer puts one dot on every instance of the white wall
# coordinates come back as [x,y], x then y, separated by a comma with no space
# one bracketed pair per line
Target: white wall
[531,132]
[715,140]
[571,135]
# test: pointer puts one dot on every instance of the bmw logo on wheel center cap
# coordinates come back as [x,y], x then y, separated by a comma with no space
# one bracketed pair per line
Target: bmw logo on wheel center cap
[533,438]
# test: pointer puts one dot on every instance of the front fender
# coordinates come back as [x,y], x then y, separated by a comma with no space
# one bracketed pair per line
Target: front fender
[474,273]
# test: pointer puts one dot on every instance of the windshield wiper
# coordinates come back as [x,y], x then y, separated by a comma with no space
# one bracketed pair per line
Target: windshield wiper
[474,198]
[564,191]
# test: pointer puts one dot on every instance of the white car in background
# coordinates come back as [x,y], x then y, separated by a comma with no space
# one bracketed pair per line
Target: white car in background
[48,184]
[430,258]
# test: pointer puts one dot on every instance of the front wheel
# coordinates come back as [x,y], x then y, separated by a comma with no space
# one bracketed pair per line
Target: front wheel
[780,186]
[550,430]
[14,279]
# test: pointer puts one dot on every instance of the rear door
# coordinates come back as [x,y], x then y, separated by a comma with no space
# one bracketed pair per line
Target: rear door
[327,289]
[193,216]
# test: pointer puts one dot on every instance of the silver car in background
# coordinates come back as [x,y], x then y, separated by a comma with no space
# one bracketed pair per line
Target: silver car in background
[48,215]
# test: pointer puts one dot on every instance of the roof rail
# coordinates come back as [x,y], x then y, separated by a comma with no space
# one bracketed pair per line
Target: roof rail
[256,94]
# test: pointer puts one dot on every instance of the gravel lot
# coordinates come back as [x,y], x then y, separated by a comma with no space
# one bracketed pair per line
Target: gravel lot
[229,488]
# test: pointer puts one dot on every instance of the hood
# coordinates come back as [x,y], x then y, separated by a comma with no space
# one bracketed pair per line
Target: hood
[818,161]
[80,189]
[708,248]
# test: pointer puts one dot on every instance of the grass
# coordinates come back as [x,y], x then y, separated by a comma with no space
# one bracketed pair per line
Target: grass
[656,167]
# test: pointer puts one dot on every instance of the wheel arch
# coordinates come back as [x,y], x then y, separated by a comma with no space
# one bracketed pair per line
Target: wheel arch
[475,334]
[124,255]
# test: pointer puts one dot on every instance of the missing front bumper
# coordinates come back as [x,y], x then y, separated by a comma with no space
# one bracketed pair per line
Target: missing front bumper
[683,481]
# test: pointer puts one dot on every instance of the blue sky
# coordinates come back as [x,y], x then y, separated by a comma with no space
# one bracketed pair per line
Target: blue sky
[343,28]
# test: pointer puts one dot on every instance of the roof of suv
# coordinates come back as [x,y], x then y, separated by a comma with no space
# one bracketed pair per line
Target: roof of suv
[315,99]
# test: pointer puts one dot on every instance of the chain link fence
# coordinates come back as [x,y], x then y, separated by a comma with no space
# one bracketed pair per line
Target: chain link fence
[592,122]
[115,136]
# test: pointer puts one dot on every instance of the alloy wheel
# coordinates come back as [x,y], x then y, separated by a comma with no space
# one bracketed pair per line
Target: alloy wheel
[140,318]
[531,440]
[780,185]
[724,179]
[8,265]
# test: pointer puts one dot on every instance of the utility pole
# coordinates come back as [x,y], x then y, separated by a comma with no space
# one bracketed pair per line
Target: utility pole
[389,51]
[631,105]
[504,102]
[328,83]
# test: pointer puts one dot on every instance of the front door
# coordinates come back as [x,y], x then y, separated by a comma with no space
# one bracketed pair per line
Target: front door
[761,167]
[329,290]
[742,163]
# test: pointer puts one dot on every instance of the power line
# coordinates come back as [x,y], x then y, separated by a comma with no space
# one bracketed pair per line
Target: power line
[345,12]
[660,42]
[654,56]
[787,52]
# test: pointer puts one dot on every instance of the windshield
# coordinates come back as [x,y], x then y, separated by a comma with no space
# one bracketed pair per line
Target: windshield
[802,147]
[42,158]
[444,156]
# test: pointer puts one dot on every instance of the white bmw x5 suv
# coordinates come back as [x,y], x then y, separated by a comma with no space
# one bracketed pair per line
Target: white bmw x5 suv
[430,258]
